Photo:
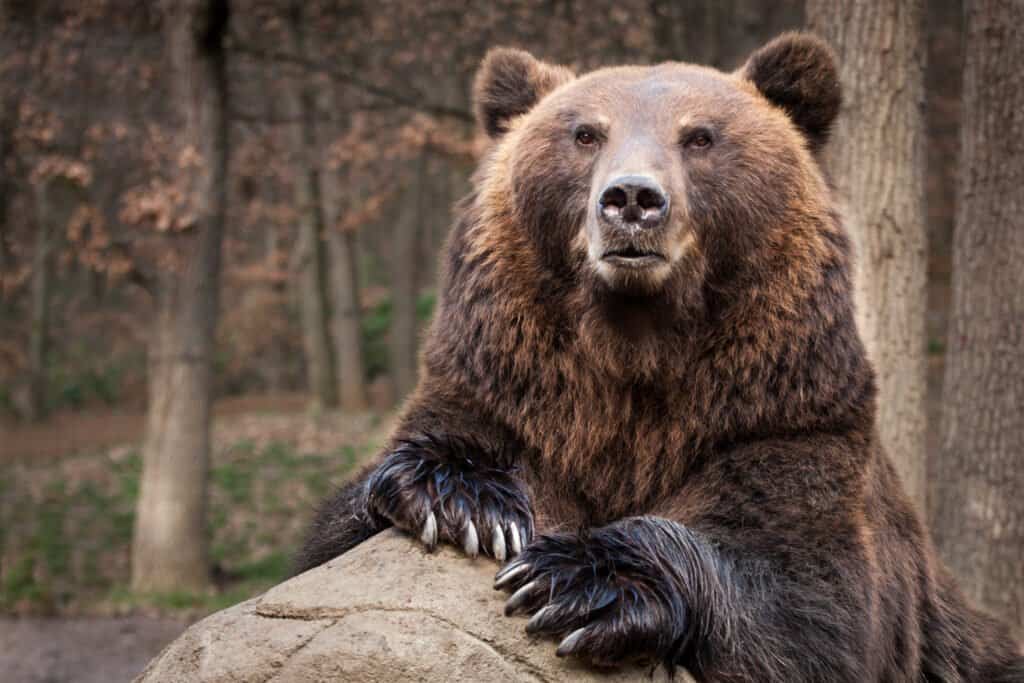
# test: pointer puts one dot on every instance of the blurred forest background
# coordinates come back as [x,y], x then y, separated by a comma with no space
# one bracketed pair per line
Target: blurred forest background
[229,213]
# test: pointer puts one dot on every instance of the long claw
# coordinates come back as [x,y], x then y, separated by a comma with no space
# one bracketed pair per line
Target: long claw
[429,533]
[567,646]
[470,541]
[510,573]
[498,543]
[518,598]
[536,622]
[515,543]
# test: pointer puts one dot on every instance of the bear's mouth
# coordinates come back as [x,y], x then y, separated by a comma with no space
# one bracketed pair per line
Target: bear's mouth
[633,257]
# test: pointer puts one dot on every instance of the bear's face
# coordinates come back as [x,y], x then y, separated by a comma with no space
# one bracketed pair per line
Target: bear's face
[641,179]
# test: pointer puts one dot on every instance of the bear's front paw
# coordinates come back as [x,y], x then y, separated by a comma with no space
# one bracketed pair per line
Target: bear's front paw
[438,493]
[602,597]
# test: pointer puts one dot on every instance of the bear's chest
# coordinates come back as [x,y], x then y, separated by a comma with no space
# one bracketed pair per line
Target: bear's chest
[591,465]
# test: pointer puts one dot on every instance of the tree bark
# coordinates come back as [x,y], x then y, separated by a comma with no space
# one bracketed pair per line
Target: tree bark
[314,283]
[347,325]
[877,161]
[978,507]
[169,550]
[340,195]
[8,169]
[404,291]
[56,200]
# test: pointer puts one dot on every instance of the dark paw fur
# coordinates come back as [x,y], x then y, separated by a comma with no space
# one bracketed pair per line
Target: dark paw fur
[608,602]
[438,490]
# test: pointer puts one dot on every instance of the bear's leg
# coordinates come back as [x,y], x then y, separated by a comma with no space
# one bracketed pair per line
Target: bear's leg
[448,475]
[641,588]
[340,524]
[650,589]
[451,489]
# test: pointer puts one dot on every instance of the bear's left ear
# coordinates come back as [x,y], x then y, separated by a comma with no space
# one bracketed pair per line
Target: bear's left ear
[798,73]
[509,83]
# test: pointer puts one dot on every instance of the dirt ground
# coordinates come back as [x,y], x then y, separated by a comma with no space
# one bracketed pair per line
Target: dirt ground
[76,432]
[88,650]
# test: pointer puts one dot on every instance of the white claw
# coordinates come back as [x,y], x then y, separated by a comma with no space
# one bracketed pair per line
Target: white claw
[498,543]
[429,533]
[514,540]
[569,644]
[470,541]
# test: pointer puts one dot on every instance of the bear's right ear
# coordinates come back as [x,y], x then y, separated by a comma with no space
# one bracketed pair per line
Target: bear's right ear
[509,83]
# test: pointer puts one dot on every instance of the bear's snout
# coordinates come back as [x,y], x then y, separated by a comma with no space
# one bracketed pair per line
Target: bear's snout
[633,202]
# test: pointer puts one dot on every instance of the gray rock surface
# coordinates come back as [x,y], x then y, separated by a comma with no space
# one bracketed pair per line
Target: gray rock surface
[385,611]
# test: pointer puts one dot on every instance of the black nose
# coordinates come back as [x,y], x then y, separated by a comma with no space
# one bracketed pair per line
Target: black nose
[635,200]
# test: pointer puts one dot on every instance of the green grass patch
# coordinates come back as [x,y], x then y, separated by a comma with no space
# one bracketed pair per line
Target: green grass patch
[66,528]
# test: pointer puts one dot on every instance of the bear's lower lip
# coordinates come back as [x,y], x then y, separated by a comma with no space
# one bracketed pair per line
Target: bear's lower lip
[633,259]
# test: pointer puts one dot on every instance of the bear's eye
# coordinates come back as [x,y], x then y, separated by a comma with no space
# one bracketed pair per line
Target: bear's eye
[585,137]
[698,139]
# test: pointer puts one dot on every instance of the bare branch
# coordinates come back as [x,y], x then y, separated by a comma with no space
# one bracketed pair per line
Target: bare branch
[414,100]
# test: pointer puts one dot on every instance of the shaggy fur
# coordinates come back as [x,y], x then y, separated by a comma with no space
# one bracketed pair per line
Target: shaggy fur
[693,443]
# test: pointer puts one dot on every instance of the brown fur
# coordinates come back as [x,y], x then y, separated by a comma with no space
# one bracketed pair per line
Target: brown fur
[732,399]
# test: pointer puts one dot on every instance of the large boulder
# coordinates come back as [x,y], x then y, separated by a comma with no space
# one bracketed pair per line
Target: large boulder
[386,611]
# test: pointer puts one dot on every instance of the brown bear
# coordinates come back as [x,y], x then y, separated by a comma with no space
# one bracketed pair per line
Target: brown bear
[644,387]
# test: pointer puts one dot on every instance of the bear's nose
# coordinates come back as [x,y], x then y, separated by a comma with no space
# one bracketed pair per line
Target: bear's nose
[632,200]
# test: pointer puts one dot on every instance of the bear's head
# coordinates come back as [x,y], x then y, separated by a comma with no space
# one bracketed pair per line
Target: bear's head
[655,181]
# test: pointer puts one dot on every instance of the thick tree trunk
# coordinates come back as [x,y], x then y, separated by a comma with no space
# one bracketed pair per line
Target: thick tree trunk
[314,282]
[169,548]
[877,161]
[978,507]
[404,290]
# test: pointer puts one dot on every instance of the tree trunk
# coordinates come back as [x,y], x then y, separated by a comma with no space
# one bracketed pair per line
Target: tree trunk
[978,508]
[8,169]
[347,325]
[274,367]
[404,291]
[56,201]
[314,303]
[169,548]
[877,161]
[340,194]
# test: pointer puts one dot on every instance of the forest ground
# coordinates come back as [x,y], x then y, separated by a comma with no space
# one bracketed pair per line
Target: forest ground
[67,496]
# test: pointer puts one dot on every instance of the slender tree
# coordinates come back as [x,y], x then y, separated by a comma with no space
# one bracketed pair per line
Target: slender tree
[346,325]
[313,263]
[876,158]
[978,510]
[405,279]
[56,198]
[169,547]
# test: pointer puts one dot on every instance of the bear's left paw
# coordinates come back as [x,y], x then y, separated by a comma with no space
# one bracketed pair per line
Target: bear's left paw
[607,602]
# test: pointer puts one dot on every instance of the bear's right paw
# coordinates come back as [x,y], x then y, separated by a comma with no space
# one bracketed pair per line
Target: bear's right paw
[441,494]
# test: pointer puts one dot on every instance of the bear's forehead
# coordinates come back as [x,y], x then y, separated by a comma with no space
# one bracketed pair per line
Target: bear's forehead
[664,92]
